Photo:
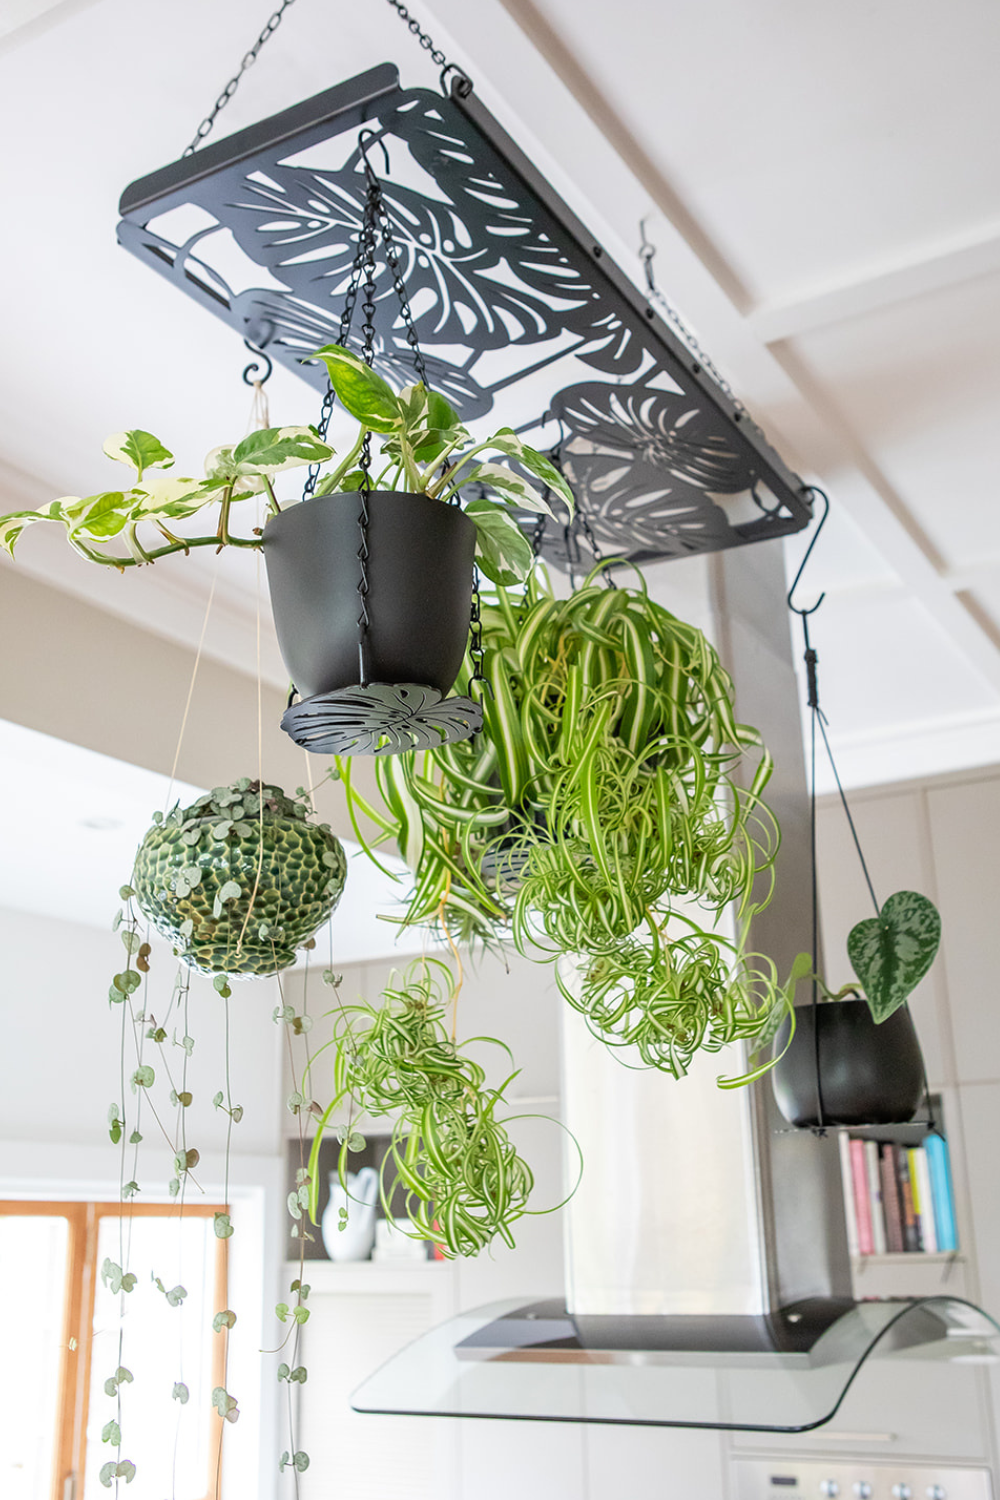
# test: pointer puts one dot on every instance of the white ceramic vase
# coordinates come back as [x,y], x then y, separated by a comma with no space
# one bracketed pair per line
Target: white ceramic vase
[360,1198]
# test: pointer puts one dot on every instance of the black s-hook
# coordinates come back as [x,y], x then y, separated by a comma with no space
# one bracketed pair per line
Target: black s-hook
[805,613]
[251,374]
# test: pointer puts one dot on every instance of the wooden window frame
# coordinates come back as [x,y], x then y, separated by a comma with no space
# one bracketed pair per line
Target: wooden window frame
[84,1219]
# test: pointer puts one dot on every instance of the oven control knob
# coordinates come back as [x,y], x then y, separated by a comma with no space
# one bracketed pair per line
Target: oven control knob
[901,1492]
[863,1490]
[936,1492]
[829,1487]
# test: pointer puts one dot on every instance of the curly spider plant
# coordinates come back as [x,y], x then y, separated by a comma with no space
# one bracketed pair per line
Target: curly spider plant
[599,815]
[462,1179]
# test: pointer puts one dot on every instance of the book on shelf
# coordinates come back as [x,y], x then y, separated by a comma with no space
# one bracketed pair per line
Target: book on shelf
[847,1182]
[897,1198]
[875,1197]
[890,1202]
[941,1190]
[923,1202]
[862,1198]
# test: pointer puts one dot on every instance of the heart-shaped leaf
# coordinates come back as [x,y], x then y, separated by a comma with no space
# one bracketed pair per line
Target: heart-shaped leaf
[892,952]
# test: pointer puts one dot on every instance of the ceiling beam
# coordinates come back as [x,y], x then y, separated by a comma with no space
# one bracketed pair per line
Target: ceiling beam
[923,272]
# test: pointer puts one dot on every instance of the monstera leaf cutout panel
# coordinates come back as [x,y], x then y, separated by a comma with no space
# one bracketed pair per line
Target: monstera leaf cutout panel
[513,303]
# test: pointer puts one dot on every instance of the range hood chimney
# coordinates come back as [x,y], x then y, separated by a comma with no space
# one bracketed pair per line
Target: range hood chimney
[707,1270]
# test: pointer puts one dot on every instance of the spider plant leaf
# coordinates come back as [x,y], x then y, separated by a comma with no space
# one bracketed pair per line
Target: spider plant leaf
[368,398]
[502,549]
[140,449]
[503,720]
[640,706]
[892,952]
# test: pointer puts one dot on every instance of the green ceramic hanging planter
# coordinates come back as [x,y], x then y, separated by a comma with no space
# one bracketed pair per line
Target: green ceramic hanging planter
[239,880]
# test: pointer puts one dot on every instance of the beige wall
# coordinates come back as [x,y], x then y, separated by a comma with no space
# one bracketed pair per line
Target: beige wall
[82,674]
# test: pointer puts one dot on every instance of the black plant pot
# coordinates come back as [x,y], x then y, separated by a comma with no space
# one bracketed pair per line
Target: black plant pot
[869,1074]
[419,567]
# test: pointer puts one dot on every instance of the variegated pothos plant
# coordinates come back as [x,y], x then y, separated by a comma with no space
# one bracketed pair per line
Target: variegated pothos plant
[424,448]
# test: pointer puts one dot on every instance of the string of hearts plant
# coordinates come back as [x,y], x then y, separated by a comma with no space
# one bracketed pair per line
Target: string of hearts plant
[237,881]
[601,815]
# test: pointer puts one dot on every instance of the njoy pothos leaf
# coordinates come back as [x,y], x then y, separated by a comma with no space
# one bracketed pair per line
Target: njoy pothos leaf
[892,952]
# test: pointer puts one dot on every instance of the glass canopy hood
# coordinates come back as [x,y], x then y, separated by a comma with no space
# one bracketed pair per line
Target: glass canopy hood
[786,1373]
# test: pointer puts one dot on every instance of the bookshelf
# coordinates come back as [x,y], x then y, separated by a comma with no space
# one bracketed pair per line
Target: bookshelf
[900,1208]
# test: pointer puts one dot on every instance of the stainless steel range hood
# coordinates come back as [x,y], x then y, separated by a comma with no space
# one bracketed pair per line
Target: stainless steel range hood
[707,1269]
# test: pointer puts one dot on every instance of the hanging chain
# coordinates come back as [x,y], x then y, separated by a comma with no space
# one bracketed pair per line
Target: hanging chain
[392,261]
[477,651]
[463,82]
[367,268]
[322,428]
[581,522]
[329,395]
[673,317]
[249,58]
[585,527]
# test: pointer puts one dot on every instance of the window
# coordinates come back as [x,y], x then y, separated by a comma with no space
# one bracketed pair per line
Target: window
[61,1343]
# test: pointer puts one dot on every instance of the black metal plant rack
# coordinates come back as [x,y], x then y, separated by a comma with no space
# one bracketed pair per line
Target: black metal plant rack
[510,296]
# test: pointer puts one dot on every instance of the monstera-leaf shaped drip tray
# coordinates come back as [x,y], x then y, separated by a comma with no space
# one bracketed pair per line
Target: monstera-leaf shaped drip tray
[509,293]
[791,1371]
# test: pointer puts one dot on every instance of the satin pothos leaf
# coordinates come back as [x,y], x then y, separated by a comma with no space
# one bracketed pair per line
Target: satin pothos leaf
[274,449]
[502,549]
[510,487]
[367,397]
[892,952]
[140,449]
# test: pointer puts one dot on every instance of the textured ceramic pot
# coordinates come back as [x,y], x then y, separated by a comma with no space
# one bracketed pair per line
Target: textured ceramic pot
[868,1074]
[419,568]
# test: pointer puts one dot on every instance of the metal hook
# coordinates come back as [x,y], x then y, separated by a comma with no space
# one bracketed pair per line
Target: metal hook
[804,613]
[251,374]
[365,138]
[646,252]
[462,86]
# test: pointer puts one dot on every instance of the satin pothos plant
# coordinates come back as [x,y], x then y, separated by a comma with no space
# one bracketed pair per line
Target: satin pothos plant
[423,448]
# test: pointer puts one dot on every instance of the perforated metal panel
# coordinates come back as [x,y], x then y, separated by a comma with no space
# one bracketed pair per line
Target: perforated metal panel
[518,310]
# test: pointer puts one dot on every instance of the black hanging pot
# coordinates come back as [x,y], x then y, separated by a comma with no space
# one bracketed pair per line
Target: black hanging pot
[868,1074]
[380,689]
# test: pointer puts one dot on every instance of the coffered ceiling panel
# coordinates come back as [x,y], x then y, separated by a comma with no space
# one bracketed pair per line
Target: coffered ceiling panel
[813,143]
[919,383]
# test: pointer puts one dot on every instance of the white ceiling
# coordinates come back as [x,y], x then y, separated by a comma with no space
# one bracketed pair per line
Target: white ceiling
[823,187]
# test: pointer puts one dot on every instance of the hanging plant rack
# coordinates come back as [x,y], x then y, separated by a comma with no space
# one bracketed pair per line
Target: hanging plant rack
[261,229]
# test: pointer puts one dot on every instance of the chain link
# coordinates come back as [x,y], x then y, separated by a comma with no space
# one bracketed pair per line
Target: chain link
[673,317]
[249,58]
[464,82]
[477,651]
[392,261]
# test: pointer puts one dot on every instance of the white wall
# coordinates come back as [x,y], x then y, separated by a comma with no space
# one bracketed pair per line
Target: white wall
[59,1072]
